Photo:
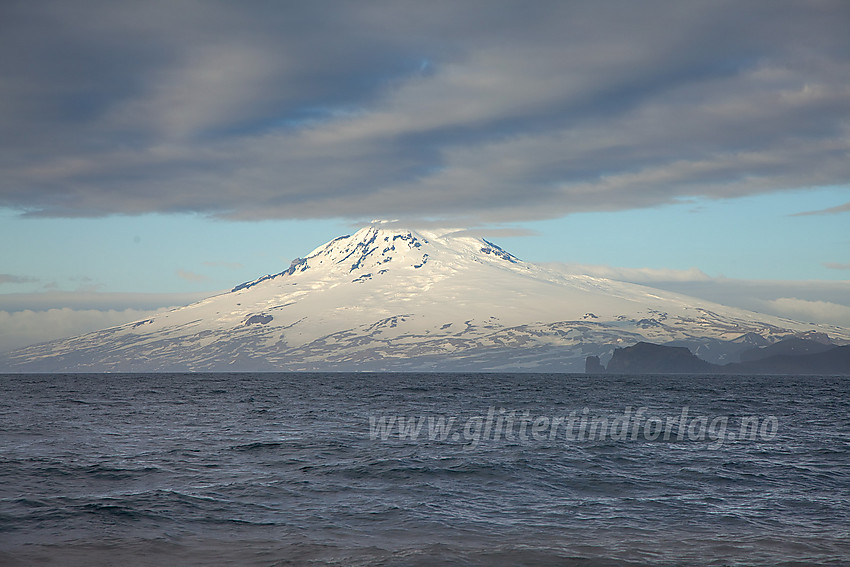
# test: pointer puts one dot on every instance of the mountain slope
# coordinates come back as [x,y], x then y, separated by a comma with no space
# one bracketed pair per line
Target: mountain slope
[390,299]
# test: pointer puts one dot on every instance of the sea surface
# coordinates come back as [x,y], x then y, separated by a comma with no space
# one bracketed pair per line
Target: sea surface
[312,469]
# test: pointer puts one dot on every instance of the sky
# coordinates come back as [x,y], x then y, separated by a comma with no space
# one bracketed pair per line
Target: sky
[153,153]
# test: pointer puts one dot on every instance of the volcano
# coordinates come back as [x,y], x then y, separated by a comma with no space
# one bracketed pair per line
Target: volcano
[390,299]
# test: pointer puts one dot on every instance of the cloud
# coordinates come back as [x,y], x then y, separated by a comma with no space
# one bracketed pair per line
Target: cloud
[228,265]
[210,87]
[837,266]
[191,276]
[825,302]
[829,211]
[11,278]
[22,328]
[492,232]
[101,301]
[634,275]
[810,311]
[326,110]
[30,318]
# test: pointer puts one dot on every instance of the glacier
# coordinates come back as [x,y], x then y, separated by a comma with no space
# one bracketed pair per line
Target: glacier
[393,299]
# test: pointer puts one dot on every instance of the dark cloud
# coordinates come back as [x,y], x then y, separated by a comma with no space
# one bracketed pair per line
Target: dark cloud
[488,111]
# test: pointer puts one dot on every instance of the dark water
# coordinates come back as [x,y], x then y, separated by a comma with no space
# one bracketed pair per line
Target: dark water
[282,469]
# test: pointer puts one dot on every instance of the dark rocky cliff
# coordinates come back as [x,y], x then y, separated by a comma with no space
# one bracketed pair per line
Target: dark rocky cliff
[649,358]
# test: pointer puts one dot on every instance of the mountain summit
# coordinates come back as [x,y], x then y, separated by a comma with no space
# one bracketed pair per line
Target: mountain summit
[392,299]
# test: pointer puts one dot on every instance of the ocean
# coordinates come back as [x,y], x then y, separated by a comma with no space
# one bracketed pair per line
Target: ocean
[423,469]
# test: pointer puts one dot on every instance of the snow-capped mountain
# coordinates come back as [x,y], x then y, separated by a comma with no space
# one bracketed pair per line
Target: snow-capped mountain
[392,299]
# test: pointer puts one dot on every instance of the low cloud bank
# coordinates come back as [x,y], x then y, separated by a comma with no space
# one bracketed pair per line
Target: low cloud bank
[22,328]
[31,318]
